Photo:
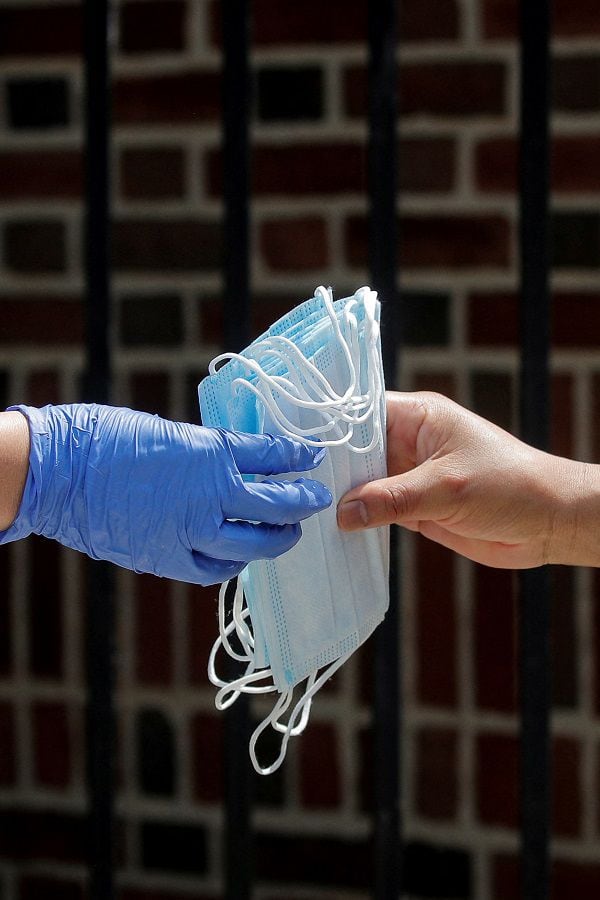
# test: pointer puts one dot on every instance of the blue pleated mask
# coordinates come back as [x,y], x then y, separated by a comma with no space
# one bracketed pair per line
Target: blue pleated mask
[315,375]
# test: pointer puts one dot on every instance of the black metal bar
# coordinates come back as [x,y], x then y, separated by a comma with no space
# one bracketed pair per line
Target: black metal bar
[100,719]
[383,261]
[534,601]
[239,777]
[236,172]
[97,26]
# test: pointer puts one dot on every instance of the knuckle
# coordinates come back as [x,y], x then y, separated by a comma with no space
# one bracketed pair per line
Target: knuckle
[454,485]
[398,501]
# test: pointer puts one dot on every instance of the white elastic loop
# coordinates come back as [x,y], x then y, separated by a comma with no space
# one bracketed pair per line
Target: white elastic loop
[351,408]
[290,730]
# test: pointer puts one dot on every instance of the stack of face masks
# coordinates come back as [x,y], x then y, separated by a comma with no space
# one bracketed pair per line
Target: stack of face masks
[316,375]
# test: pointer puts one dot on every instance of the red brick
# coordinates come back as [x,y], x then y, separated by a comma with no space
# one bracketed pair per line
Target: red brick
[366,673]
[6,614]
[51,744]
[495,639]
[151,894]
[39,887]
[153,630]
[500,18]
[150,392]
[8,745]
[43,174]
[562,418]
[366,756]
[455,242]
[497,779]
[492,397]
[202,630]
[265,311]
[424,20]
[182,245]
[42,387]
[457,89]
[436,776]
[319,767]
[595,424]
[506,878]
[496,165]
[596,587]
[152,173]
[575,880]
[45,621]
[206,736]
[188,97]
[152,25]
[566,791]
[41,30]
[575,163]
[576,83]
[333,168]
[294,244]
[308,22]
[436,625]
[35,247]
[340,23]
[442,382]
[40,320]
[493,319]
[574,166]
[453,89]
[39,835]
[426,165]
[563,635]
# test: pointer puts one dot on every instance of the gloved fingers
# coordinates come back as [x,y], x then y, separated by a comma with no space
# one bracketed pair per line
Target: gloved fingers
[279,502]
[250,541]
[214,571]
[267,454]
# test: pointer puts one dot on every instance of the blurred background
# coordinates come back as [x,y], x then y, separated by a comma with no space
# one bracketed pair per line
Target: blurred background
[458,95]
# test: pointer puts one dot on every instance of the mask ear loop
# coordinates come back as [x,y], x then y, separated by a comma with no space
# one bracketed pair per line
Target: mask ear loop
[333,398]
[290,729]
[269,383]
[288,427]
[246,683]
[238,624]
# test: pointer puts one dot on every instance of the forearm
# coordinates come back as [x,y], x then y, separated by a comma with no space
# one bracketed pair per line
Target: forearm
[14,464]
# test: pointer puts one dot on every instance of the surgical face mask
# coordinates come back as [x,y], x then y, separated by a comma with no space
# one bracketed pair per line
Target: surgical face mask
[316,375]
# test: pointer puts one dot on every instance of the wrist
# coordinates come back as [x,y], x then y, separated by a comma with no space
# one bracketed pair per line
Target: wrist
[14,465]
[575,534]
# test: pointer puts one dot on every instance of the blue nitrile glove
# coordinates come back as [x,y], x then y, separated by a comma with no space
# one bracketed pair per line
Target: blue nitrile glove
[159,496]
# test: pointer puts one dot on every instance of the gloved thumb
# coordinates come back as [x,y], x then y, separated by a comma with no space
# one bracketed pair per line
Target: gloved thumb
[423,493]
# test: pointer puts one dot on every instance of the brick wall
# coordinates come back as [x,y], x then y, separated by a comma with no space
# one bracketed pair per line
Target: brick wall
[457,152]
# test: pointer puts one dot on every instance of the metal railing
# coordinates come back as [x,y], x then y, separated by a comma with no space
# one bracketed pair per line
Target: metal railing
[383,265]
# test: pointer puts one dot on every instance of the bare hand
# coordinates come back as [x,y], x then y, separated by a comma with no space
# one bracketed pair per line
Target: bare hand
[467,484]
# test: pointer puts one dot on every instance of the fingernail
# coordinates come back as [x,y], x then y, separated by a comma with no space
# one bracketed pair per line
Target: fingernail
[353,515]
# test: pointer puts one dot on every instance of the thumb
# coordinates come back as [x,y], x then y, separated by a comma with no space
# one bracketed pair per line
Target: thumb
[423,493]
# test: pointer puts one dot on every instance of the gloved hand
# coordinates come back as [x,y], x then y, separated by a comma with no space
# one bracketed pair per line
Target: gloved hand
[162,497]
